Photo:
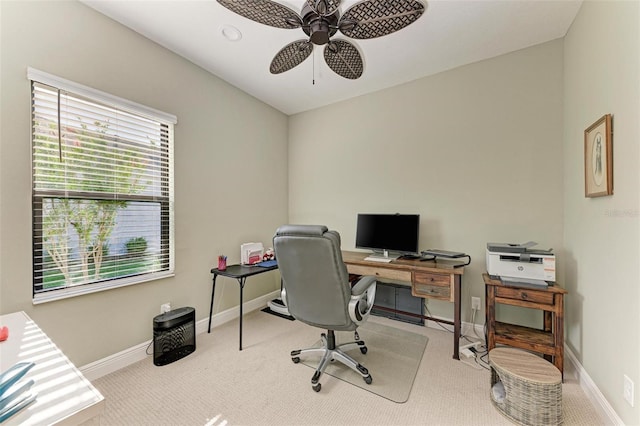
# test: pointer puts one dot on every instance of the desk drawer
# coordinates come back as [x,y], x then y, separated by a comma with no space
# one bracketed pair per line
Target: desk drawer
[526,295]
[390,274]
[432,286]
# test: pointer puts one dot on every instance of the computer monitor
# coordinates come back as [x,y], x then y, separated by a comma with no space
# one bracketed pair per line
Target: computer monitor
[385,233]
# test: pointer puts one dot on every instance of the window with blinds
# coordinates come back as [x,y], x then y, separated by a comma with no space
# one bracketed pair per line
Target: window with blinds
[102,190]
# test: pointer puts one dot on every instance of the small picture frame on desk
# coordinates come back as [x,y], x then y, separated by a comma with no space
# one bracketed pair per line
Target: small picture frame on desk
[598,158]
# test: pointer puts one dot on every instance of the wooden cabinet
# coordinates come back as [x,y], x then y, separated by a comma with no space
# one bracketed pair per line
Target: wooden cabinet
[547,340]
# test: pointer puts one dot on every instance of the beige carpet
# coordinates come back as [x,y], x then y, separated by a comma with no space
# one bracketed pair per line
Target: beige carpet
[393,358]
[219,385]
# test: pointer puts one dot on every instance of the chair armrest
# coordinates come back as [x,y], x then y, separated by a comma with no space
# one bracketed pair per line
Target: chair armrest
[362,285]
[363,294]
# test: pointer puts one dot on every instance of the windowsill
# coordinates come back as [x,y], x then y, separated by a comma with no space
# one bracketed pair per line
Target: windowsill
[53,295]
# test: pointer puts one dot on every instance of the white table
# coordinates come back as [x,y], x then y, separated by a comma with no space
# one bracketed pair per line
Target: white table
[65,396]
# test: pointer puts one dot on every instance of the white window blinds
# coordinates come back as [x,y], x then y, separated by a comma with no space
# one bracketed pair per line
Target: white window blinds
[102,190]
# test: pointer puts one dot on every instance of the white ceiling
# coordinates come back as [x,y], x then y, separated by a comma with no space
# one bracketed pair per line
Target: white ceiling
[449,34]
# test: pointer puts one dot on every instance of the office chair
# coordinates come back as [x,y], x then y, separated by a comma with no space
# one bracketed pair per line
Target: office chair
[317,291]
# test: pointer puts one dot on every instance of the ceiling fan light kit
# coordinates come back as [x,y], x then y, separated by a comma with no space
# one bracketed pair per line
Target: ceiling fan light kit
[321,20]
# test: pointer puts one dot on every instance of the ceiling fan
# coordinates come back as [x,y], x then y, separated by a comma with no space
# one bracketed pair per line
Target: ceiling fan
[320,20]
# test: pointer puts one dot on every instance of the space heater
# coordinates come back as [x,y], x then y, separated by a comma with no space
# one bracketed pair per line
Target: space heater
[174,335]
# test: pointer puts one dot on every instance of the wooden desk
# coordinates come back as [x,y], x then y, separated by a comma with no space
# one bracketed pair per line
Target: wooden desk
[64,395]
[429,279]
[549,340]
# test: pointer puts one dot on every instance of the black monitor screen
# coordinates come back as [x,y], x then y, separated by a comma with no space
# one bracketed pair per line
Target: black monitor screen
[392,232]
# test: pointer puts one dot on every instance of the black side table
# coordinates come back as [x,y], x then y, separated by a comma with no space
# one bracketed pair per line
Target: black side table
[240,273]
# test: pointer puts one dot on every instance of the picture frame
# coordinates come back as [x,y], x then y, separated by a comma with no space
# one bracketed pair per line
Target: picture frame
[598,158]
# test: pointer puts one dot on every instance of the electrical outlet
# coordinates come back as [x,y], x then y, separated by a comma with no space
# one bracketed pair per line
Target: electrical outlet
[475,303]
[627,391]
[165,307]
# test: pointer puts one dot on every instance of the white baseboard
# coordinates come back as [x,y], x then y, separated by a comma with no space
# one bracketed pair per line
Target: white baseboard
[138,352]
[589,387]
[115,362]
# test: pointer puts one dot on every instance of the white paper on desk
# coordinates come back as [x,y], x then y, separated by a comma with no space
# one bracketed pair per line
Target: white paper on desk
[249,251]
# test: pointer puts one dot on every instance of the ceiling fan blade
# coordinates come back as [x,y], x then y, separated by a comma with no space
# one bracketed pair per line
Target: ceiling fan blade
[344,59]
[376,18]
[291,55]
[266,12]
[324,7]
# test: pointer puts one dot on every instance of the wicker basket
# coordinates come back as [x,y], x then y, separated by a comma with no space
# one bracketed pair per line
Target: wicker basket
[525,388]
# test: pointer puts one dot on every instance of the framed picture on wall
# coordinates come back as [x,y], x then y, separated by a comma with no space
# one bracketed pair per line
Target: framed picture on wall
[598,158]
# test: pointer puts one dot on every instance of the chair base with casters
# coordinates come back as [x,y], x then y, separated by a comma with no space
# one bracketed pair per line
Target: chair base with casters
[317,291]
[330,352]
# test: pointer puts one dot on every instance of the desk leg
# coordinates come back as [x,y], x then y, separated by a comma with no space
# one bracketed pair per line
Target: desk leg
[456,316]
[241,281]
[213,290]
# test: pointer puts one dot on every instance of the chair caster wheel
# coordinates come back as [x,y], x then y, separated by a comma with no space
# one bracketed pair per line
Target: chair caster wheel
[363,350]
[316,387]
[368,379]
[295,360]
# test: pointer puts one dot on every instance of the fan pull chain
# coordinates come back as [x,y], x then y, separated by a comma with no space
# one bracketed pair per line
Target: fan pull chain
[313,68]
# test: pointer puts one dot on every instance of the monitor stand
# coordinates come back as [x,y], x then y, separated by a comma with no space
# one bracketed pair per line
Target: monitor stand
[383,256]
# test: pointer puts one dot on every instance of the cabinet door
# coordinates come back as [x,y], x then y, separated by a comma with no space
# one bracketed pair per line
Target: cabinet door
[406,302]
[398,298]
[385,296]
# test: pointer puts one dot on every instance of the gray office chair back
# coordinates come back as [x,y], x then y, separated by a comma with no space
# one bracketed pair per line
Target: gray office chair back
[317,291]
[316,284]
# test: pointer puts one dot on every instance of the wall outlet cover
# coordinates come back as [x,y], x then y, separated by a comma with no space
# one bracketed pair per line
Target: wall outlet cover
[475,303]
[627,392]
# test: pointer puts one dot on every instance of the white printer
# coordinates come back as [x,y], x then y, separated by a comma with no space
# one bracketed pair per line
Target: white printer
[518,262]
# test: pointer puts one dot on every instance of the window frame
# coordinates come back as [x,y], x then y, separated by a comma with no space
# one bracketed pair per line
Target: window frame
[166,201]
